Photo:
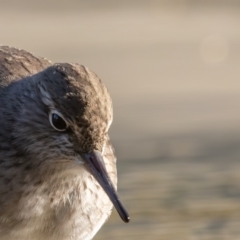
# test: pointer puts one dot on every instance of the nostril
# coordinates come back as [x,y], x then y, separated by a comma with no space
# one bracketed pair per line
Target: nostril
[95,164]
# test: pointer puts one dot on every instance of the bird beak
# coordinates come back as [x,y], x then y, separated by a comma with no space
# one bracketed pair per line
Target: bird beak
[96,166]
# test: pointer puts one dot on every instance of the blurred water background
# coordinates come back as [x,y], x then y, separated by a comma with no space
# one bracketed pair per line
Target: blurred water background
[172,68]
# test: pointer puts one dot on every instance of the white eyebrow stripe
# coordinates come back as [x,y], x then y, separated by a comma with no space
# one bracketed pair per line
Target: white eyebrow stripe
[46,98]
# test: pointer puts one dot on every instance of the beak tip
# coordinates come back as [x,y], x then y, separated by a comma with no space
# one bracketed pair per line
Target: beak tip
[127,220]
[123,214]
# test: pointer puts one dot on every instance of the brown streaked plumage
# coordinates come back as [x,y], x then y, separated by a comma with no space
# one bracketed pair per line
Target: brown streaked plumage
[57,165]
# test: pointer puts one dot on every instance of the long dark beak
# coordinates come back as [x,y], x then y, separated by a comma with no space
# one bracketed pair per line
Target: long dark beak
[96,166]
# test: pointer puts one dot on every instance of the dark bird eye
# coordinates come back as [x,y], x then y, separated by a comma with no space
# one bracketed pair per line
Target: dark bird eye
[57,122]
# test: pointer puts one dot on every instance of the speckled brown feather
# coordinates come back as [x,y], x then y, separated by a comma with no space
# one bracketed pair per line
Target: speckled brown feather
[81,94]
[44,192]
[17,64]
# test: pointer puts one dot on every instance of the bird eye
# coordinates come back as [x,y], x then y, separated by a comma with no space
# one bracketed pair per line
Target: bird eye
[57,121]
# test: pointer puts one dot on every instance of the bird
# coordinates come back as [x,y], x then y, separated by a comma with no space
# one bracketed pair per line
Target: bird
[58,176]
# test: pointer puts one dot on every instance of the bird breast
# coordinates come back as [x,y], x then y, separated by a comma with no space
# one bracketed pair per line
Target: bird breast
[73,207]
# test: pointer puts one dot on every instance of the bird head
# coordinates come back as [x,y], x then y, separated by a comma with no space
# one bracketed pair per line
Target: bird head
[66,112]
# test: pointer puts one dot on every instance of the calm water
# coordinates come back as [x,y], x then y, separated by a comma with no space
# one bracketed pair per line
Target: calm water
[189,196]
